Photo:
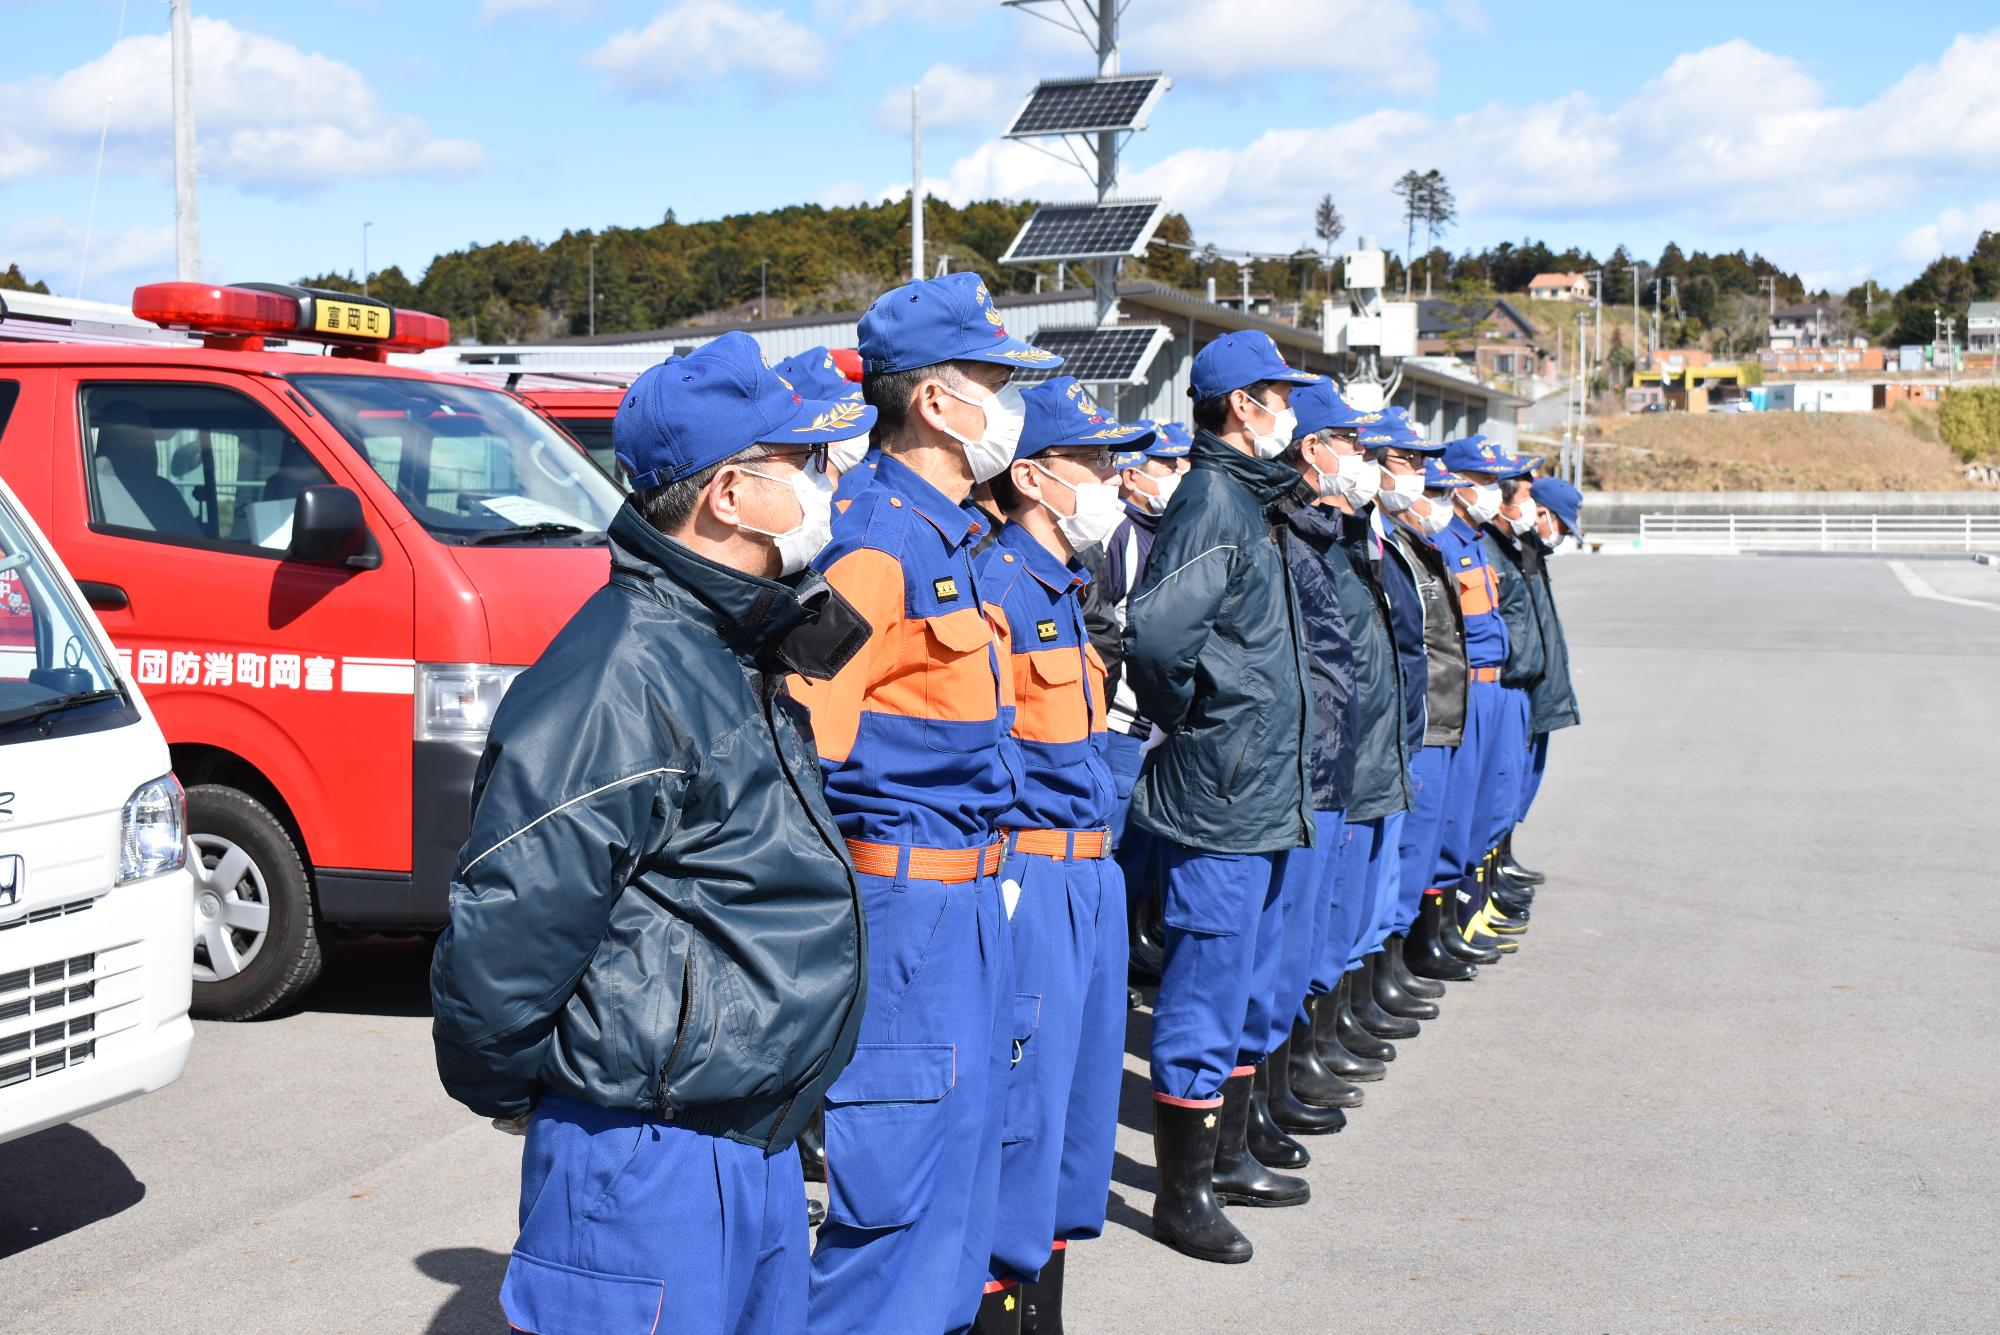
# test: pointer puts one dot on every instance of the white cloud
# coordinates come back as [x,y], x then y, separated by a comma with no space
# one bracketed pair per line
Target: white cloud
[267,115]
[1730,137]
[952,97]
[852,15]
[1356,43]
[696,41]
[1953,232]
[51,249]
[1470,15]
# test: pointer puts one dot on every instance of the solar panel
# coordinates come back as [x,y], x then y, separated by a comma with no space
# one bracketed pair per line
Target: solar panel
[1088,106]
[1086,231]
[1099,356]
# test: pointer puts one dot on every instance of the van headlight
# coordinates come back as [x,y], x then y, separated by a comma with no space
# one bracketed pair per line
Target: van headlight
[456,701]
[152,835]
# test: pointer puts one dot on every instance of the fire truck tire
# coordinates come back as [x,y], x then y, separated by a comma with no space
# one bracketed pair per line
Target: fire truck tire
[253,908]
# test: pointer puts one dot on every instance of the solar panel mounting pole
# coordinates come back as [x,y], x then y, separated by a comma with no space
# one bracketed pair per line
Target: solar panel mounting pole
[916,182]
[187,223]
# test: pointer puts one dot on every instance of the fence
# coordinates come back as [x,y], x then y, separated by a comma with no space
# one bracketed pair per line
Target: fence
[1731,533]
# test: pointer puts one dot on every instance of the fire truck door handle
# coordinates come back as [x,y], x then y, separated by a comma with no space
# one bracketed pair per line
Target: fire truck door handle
[104,597]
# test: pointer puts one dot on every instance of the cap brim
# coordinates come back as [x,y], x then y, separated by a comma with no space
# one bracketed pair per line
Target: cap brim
[821,421]
[1117,437]
[1166,449]
[1010,351]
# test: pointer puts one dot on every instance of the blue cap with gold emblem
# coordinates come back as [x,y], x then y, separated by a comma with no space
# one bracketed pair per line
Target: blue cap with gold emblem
[1062,415]
[948,319]
[814,375]
[1238,360]
[1560,499]
[1438,477]
[1174,443]
[1477,454]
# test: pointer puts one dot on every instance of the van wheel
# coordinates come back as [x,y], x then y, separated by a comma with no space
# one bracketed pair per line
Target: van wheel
[256,938]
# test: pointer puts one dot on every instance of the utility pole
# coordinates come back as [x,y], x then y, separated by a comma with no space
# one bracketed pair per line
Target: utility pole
[1634,270]
[916,182]
[763,287]
[1104,273]
[1597,317]
[364,257]
[187,223]
[1770,284]
[591,282]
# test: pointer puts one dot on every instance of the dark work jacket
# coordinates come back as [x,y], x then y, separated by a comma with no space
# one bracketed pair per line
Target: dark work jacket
[1406,625]
[1523,667]
[654,911]
[1381,763]
[1216,658]
[1100,612]
[1444,639]
[1552,700]
[1309,537]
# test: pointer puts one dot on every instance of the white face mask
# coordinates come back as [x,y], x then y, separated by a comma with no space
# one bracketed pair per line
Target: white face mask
[1484,502]
[1524,522]
[1006,414]
[1437,518]
[1404,490]
[1098,511]
[798,545]
[1284,422]
[844,456]
[1156,500]
[1358,481]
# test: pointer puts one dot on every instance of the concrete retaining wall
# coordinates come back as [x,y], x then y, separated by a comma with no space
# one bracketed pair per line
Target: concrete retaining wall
[1619,511]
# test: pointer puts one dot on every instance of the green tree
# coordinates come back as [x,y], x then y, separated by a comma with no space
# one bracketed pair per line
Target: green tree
[13,279]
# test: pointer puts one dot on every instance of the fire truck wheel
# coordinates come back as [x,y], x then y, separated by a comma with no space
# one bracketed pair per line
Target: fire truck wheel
[256,937]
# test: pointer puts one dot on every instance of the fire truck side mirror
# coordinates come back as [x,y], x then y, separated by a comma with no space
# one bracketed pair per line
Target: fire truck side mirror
[329,529]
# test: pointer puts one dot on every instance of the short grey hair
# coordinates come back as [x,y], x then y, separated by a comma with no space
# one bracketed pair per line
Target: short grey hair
[670,506]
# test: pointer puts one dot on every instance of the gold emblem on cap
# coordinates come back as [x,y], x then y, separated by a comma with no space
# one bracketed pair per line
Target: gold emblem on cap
[1035,355]
[993,316]
[845,413]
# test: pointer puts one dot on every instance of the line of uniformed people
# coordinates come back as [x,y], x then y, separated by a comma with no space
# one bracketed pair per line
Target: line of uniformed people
[1261,765]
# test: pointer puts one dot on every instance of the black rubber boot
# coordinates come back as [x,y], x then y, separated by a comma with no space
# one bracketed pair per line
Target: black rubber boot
[1368,1012]
[1451,934]
[1239,1179]
[812,1148]
[1041,1301]
[1512,866]
[1312,1080]
[1390,994]
[1471,898]
[1186,1215]
[1353,1035]
[1294,1115]
[815,1213]
[1509,903]
[1430,989]
[999,1312]
[1148,940]
[1341,1059]
[1424,952]
[1269,1145]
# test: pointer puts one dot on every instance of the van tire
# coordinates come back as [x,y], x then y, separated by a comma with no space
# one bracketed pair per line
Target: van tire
[290,957]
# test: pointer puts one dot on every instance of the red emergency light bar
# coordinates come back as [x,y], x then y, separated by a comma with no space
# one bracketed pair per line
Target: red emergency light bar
[241,317]
[848,362]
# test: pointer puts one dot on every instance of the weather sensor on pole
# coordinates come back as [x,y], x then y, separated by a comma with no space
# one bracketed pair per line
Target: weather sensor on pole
[1374,334]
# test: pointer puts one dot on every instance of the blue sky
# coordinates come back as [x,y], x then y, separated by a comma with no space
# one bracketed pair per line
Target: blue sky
[1837,139]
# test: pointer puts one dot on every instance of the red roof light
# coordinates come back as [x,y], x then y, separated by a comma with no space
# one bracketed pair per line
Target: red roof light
[207,309]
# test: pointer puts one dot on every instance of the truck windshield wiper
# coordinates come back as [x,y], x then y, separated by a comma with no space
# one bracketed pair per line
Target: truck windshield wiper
[518,531]
[55,704]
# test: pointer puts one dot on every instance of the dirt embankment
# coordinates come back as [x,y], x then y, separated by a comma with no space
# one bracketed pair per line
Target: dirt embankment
[1898,450]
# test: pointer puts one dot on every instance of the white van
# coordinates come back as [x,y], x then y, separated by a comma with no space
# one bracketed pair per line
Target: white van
[96,901]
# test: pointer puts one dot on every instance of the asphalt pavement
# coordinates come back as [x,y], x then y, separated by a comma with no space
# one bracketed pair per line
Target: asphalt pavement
[1741,1075]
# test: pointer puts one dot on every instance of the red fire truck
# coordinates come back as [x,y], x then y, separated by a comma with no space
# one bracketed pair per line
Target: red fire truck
[323,571]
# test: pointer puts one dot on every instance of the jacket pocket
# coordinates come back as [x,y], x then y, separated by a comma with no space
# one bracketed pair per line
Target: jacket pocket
[1024,1094]
[1050,709]
[960,688]
[1209,893]
[552,1299]
[884,1132]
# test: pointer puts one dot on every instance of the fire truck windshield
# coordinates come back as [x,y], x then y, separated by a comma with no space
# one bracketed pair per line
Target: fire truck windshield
[472,464]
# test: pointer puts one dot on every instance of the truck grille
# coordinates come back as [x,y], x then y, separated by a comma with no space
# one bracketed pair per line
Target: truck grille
[44,914]
[61,1040]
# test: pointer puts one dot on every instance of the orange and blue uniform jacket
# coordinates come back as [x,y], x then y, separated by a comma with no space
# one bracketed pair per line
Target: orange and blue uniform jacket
[1059,717]
[1478,593]
[913,732]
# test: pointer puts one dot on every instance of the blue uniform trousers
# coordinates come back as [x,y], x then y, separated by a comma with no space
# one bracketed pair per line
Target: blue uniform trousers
[1132,846]
[1218,907]
[1384,885]
[1538,764]
[1068,933]
[1304,898]
[633,1224]
[1348,902]
[913,1125]
[1463,826]
[1506,768]
[1430,787]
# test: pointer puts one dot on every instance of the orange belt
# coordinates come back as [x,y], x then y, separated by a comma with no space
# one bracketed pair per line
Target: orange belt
[1486,674]
[1063,845]
[952,866]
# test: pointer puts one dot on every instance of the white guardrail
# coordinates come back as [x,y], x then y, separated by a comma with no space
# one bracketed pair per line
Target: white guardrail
[1730,534]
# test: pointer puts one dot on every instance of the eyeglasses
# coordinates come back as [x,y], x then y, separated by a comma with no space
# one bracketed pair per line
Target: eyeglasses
[1097,460]
[805,458]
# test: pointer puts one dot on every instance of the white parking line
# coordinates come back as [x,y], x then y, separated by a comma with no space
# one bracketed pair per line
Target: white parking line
[1914,585]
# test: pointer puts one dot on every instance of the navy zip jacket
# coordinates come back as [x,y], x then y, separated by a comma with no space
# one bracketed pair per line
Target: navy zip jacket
[1381,760]
[1309,535]
[1406,624]
[654,911]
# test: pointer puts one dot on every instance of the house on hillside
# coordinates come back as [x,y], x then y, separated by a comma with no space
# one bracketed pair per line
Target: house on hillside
[1560,286]
[1495,338]
[1982,327]
[1808,324]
